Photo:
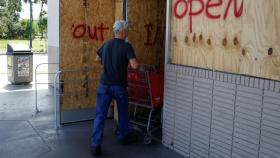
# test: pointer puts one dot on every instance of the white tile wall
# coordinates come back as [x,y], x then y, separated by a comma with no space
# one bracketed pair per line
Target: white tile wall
[215,114]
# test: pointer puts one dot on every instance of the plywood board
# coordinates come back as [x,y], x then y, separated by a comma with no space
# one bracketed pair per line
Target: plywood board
[147,30]
[84,26]
[119,10]
[237,36]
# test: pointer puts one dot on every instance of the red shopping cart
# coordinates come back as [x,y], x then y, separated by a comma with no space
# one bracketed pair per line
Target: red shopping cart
[145,91]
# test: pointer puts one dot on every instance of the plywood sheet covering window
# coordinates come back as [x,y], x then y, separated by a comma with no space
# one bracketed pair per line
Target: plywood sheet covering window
[237,36]
[82,31]
[147,25]
[119,9]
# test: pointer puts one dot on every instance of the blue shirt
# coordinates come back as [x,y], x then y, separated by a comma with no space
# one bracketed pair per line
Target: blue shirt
[115,55]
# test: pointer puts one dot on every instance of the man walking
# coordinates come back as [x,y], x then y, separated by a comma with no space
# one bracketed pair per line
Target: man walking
[114,55]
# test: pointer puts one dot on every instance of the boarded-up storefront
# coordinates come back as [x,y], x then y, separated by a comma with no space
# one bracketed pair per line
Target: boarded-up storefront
[147,30]
[217,102]
[233,36]
[84,26]
[222,68]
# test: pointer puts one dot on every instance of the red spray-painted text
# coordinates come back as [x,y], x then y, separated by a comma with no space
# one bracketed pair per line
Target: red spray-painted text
[94,32]
[154,36]
[205,6]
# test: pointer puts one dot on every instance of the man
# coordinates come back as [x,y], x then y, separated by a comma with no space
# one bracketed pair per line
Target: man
[114,55]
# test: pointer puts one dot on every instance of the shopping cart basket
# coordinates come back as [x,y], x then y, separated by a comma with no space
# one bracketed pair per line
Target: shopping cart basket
[145,91]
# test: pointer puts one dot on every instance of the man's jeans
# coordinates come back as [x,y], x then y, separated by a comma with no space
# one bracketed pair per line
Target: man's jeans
[105,94]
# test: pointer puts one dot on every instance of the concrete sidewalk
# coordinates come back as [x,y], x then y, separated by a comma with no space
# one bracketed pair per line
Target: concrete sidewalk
[25,134]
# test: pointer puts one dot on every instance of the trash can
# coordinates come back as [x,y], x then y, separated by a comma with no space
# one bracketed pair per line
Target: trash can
[19,63]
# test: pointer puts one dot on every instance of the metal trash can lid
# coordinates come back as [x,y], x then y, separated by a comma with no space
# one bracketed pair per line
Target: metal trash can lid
[18,49]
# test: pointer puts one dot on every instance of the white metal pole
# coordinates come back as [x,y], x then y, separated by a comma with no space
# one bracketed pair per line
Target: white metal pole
[57,106]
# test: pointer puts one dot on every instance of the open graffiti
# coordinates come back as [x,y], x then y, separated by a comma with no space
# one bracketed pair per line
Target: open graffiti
[205,7]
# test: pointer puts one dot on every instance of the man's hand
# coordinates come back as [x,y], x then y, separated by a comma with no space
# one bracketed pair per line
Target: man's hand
[134,63]
[98,59]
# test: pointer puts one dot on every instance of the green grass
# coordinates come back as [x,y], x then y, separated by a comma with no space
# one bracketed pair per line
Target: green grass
[38,45]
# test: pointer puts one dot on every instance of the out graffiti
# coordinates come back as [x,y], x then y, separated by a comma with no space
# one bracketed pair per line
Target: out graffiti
[95,32]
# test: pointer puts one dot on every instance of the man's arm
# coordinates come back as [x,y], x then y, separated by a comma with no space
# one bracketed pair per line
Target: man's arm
[98,55]
[134,63]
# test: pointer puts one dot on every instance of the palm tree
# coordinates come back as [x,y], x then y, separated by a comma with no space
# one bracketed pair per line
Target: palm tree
[38,1]
[31,15]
